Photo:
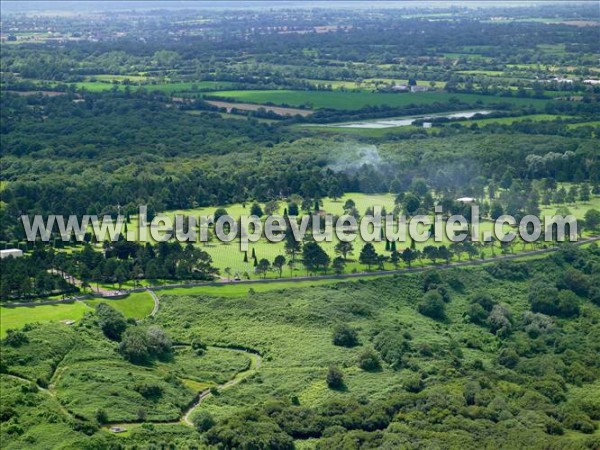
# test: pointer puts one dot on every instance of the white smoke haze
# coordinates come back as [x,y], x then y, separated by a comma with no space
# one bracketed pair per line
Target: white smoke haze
[350,157]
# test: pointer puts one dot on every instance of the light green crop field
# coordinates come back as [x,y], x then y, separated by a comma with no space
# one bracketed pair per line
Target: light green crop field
[19,316]
[136,305]
[358,100]
[509,120]
[166,88]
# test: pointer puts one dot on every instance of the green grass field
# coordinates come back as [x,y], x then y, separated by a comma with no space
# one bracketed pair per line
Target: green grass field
[19,316]
[136,305]
[166,88]
[358,100]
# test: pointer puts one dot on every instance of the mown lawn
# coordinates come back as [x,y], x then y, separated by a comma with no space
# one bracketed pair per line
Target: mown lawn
[136,305]
[19,316]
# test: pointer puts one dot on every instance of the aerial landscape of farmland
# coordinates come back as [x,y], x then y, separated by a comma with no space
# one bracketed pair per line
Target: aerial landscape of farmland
[299,225]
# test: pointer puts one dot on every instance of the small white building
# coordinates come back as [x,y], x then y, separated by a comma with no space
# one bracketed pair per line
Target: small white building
[427,124]
[14,252]
[466,200]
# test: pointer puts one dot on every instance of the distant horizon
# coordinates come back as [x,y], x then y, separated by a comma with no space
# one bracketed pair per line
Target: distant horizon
[15,6]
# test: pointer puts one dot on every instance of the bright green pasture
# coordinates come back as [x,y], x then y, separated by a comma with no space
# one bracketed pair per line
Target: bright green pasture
[19,316]
[358,100]
[136,305]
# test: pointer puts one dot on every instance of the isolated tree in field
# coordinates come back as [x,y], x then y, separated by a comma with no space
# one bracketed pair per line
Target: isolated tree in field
[592,219]
[112,322]
[314,257]
[263,267]
[227,271]
[335,378]
[344,248]
[368,255]
[256,210]
[584,193]
[345,336]
[278,264]
[246,257]
[338,264]
[219,212]
[409,255]
[349,205]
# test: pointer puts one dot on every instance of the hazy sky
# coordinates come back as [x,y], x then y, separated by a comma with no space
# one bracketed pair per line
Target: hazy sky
[9,6]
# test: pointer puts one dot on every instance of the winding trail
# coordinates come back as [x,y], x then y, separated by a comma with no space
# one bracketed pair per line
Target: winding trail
[255,362]
[185,417]
[156,302]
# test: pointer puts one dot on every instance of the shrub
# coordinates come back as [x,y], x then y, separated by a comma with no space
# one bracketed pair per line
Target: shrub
[345,336]
[335,378]
[101,416]
[111,321]
[15,338]
[203,421]
[433,306]
[508,357]
[369,360]
[149,390]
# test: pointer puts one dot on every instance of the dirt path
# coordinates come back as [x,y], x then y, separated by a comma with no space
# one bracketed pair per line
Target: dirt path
[156,302]
[186,415]
[255,362]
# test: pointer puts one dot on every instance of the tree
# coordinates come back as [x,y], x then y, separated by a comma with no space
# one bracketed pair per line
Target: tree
[408,255]
[444,253]
[368,255]
[256,210]
[112,322]
[263,267]
[431,252]
[592,219]
[227,271]
[335,378]
[278,264]
[338,265]
[432,305]
[159,343]
[496,209]
[395,259]
[314,257]
[293,209]
[203,421]
[219,212]
[292,246]
[344,248]
[345,336]
[134,346]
